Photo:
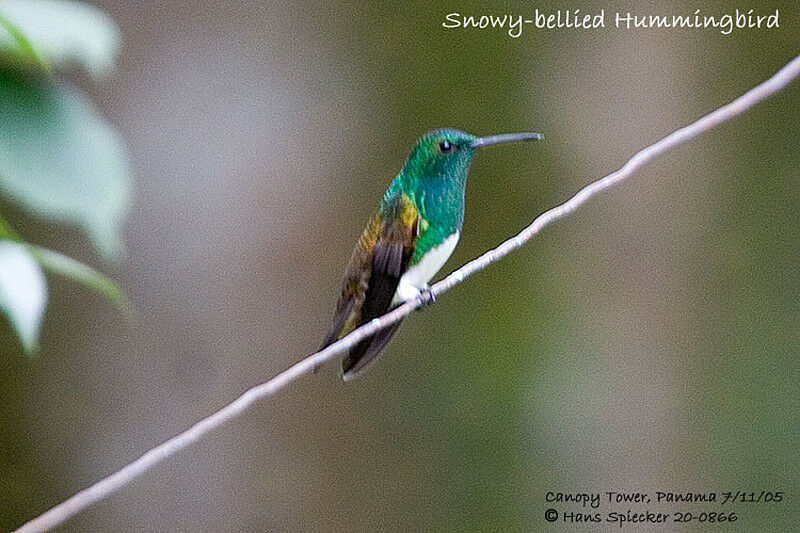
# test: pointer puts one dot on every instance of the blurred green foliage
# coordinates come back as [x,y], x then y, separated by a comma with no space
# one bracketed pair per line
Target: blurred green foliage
[59,159]
[23,292]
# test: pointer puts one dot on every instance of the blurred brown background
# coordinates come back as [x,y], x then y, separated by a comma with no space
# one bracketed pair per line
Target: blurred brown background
[649,342]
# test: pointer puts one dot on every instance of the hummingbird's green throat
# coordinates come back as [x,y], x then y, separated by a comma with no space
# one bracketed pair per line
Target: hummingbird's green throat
[409,239]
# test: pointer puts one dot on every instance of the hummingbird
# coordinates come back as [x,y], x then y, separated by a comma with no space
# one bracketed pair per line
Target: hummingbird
[413,233]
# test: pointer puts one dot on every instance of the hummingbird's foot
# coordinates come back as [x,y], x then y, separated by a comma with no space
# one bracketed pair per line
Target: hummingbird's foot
[427,296]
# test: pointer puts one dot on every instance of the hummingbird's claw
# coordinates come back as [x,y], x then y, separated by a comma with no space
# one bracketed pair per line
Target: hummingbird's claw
[427,296]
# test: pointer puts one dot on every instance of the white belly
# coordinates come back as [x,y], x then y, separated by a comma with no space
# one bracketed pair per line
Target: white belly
[420,274]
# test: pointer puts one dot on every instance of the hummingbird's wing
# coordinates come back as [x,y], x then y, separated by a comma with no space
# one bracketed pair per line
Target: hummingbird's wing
[388,265]
[381,257]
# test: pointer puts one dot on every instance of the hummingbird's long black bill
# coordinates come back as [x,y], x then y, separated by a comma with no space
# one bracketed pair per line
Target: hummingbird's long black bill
[480,142]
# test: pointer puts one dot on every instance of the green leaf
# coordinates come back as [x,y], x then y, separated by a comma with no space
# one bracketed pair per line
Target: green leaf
[61,32]
[7,232]
[63,265]
[23,44]
[85,275]
[23,292]
[60,160]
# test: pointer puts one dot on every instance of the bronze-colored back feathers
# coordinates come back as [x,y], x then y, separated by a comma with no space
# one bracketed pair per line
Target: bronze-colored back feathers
[379,260]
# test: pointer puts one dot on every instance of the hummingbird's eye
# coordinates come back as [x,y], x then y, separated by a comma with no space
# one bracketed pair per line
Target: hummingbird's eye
[446,147]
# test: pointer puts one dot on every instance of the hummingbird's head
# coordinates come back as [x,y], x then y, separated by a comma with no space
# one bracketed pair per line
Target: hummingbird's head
[448,152]
[440,153]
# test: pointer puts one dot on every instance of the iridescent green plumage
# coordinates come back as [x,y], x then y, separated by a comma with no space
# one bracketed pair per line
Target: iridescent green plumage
[436,183]
[410,237]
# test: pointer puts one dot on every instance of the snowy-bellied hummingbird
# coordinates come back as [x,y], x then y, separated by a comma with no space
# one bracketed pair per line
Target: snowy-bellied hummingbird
[409,239]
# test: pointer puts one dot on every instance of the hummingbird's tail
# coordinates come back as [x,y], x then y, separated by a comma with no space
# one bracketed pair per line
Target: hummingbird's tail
[365,352]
